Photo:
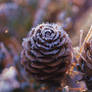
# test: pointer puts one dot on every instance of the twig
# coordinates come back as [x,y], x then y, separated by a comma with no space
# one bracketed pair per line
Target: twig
[89,35]
[81,35]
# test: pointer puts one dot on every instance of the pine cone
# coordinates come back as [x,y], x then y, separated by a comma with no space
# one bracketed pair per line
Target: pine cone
[47,53]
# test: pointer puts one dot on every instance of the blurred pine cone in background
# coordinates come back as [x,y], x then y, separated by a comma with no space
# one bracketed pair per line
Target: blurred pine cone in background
[47,53]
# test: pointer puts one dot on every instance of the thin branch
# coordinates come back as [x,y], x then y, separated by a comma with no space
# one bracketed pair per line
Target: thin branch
[81,35]
[89,35]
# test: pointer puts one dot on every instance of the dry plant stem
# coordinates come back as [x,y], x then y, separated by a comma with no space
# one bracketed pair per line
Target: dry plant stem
[89,35]
[81,35]
[77,89]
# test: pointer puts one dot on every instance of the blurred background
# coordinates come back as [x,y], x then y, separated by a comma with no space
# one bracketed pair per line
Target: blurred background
[17,17]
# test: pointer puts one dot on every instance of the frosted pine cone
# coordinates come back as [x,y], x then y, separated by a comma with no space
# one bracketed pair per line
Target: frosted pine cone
[47,53]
